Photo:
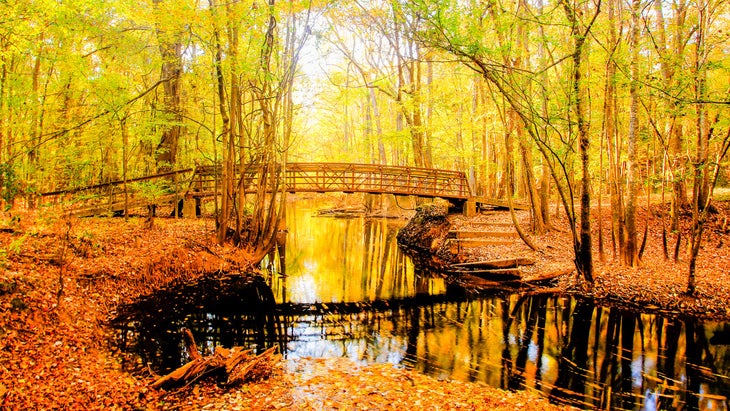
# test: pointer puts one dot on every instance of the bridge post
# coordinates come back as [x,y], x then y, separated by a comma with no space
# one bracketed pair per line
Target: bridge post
[469,207]
[188,207]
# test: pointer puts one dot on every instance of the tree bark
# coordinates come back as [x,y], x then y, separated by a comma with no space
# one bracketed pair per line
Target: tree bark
[170,47]
[583,248]
[631,254]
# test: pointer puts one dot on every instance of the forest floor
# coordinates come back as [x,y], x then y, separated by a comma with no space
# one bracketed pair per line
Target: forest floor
[61,280]
[659,284]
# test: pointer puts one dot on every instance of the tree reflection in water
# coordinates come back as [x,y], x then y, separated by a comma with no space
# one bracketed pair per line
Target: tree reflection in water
[364,300]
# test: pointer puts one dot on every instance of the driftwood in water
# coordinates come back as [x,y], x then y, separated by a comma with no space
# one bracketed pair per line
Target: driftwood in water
[238,365]
[342,212]
[496,264]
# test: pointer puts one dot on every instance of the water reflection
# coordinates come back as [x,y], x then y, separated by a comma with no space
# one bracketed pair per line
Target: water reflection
[348,292]
[227,311]
[344,260]
[571,351]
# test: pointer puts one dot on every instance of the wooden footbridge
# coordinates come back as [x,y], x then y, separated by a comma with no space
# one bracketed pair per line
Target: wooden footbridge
[204,181]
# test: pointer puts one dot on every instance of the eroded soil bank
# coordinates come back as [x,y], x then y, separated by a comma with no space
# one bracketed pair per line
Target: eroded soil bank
[657,285]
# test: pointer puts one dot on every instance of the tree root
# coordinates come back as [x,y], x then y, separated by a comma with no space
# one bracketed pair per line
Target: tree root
[238,365]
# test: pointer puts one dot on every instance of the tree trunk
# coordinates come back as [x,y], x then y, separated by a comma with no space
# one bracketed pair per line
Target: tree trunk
[171,53]
[583,251]
[700,195]
[631,255]
[227,172]
[668,56]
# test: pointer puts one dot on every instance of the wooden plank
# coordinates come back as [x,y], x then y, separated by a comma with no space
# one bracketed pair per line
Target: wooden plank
[483,234]
[549,276]
[504,274]
[493,264]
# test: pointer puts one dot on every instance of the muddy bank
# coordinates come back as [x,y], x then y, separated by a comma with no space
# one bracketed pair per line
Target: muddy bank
[424,238]
[481,252]
[658,285]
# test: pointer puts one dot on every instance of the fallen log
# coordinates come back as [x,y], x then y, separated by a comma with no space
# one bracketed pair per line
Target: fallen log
[511,285]
[495,264]
[502,274]
[239,365]
[549,276]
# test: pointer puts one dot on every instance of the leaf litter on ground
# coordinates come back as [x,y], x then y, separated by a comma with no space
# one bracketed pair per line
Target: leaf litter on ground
[58,289]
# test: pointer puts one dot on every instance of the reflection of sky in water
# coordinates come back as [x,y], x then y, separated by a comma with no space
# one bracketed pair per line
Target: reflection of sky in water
[376,348]
[304,288]
[358,260]
[345,260]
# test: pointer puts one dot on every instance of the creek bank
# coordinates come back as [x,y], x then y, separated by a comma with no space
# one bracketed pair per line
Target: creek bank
[496,258]
[424,237]
[56,352]
[657,286]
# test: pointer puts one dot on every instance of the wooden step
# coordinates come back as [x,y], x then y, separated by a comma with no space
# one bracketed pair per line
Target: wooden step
[478,242]
[482,234]
[492,223]
[494,264]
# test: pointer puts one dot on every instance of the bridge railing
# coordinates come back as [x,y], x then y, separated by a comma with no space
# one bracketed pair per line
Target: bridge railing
[113,195]
[349,178]
[374,178]
[300,177]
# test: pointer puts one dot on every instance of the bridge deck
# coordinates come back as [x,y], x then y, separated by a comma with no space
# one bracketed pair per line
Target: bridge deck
[204,181]
[350,178]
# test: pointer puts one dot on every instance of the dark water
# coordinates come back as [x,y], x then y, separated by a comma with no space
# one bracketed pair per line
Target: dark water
[349,292]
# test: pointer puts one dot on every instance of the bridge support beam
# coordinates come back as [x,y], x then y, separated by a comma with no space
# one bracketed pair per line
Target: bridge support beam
[469,207]
[189,207]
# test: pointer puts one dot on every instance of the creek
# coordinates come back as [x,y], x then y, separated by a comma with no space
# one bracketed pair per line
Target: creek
[344,289]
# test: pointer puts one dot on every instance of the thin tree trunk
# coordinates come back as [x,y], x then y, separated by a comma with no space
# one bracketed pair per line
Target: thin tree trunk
[631,257]
[227,172]
[700,192]
[583,251]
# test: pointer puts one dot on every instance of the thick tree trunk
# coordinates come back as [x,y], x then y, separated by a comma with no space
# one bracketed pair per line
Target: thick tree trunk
[171,53]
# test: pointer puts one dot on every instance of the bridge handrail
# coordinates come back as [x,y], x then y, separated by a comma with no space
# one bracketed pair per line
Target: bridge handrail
[317,177]
[210,169]
[115,182]
[356,177]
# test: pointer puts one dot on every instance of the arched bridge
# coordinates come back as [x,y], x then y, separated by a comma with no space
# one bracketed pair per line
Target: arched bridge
[204,181]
